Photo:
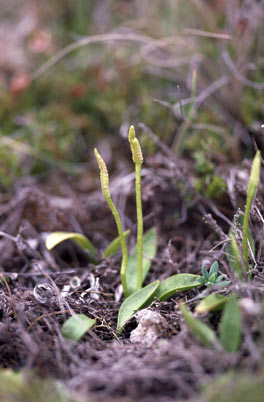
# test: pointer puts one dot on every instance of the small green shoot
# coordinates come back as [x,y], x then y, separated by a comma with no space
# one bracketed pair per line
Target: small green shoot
[230,327]
[56,238]
[138,160]
[134,303]
[76,327]
[201,331]
[106,193]
[211,278]
[251,191]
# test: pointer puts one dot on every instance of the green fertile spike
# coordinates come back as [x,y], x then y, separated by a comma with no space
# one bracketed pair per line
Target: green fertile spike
[104,177]
[135,146]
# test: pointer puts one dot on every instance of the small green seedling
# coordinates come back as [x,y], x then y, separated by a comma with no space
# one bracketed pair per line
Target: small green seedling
[212,278]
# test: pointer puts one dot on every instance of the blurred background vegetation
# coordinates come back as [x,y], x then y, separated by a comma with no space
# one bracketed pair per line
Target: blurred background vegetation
[73,73]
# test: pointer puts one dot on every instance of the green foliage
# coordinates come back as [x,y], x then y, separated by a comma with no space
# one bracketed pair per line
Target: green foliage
[211,186]
[176,283]
[211,303]
[56,238]
[212,278]
[135,302]
[76,327]
[230,327]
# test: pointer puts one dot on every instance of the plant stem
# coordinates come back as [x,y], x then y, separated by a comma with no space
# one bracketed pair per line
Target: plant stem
[122,242]
[139,228]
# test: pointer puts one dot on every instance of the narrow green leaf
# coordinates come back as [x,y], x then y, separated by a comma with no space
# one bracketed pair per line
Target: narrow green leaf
[211,303]
[115,245]
[56,238]
[76,327]
[205,273]
[201,331]
[134,303]
[149,252]
[230,327]
[214,268]
[176,283]
[254,177]
[213,277]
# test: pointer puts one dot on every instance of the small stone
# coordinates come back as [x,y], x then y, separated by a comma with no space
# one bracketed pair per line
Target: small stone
[151,326]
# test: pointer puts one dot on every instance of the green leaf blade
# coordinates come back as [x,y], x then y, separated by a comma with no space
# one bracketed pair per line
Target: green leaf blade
[230,327]
[56,238]
[211,303]
[115,245]
[150,240]
[201,331]
[214,268]
[176,283]
[76,327]
[134,303]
